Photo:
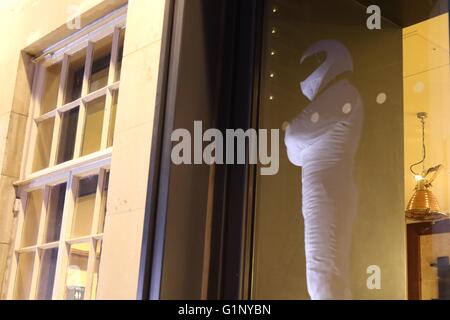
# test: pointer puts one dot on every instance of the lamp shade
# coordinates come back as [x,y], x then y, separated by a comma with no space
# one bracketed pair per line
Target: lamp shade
[424,205]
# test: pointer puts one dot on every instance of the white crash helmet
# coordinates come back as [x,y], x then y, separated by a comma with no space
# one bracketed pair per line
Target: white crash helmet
[338,60]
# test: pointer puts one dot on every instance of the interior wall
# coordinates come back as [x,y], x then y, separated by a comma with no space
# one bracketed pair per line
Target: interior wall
[426,82]
[379,231]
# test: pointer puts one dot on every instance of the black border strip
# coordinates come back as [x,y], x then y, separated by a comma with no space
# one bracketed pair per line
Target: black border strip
[230,268]
[249,240]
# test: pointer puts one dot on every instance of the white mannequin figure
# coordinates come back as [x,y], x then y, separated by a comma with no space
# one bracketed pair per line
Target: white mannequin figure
[323,140]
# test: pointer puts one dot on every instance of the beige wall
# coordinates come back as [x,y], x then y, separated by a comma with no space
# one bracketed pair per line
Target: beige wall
[131,155]
[32,26]
[426,88]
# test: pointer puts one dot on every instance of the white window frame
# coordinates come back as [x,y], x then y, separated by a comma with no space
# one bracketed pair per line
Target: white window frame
[70,172]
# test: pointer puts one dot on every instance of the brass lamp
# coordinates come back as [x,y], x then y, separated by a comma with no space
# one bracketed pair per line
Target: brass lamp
[423,205]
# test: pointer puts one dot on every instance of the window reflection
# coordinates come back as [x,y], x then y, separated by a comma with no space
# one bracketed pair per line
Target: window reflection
[75,76]
[51,88]
[47,274]
[84,207]
[76,276]
[43,144]
[100,65]
[55,212]
[67,136]
[32,218]
[92,134]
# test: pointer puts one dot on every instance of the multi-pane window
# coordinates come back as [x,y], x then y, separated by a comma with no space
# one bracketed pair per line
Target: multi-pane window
[65,175]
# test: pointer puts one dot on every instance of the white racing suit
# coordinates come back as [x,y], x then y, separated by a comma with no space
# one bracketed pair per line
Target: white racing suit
[323,140]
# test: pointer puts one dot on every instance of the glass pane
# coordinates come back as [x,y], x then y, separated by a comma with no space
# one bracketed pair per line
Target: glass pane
[55,212]
[100,65]
[47,274]
[76,271]
[51,87]
[84,207]
[120,55]
[101,223]
[43,145]
[343,101]
[23,276]
[68,133]
[92,136]
[32,217]
[75,77]
[112,120]
[426,71]
[98,254]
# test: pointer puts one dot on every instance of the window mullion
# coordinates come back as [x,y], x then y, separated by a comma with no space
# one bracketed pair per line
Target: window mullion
[59,103]
[92,244]
[98,201]
[84,92]
[45,116]
[87,69]
[106,120]
[55,139]
[50,245]
[34,275]
[111,77]
[90,269]
[66,224]
[40,237]
[80,128]
[114,56]
[17,240]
